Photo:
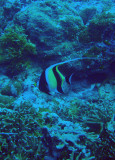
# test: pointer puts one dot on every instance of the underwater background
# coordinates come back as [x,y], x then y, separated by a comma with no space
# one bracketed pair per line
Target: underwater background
[78,124]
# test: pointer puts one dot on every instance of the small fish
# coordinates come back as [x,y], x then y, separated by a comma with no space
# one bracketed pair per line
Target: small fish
[52,80]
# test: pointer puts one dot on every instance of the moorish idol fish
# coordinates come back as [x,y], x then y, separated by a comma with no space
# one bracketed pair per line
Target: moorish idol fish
[52,80]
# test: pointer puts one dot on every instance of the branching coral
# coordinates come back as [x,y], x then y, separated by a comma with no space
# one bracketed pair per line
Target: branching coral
[21,132]
[94,118]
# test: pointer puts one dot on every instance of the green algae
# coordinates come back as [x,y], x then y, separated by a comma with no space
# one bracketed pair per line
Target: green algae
[95,30]
[15,49]
[99,24]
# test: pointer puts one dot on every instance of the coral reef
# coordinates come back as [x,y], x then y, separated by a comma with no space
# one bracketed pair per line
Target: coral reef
[77,125]
[98,25]
[28,133]
[14,49]
[20,134]
[96,28]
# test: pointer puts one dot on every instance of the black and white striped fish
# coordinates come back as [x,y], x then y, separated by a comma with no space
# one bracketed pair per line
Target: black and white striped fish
[52,80]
